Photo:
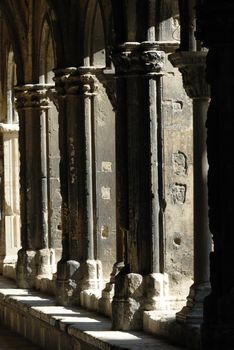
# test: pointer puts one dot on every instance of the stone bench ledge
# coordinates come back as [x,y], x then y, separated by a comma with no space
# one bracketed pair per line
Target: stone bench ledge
[36,316]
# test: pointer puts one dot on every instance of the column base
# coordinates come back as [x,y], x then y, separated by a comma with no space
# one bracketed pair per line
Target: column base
[8,266]
[46,268]
[105,302]
[66,285]
[34,267]
[135,294]
[76,280]
[192,313]
[26,269]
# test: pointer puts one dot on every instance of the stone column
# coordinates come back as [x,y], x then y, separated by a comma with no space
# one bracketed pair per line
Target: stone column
[10,216]
[77,270]
[140,285]
[192,66]
[36,258]
[188,25]
[216,26]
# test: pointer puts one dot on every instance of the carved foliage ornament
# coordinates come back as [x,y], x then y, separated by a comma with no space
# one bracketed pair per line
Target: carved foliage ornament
[192,65]
[75,81]
[32,96]
[138,58]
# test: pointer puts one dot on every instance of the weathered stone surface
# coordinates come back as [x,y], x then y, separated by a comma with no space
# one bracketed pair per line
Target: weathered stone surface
[106,174]
[26,268]
[10,235]
[66,284]
[177,186]
[37,318]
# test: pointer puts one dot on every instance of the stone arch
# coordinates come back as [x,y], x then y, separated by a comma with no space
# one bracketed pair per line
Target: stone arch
[17,31]
[94,35]
[51,18]
[96,42]
[46,53]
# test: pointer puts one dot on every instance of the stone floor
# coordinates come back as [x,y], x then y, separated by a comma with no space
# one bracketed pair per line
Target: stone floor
[11,341]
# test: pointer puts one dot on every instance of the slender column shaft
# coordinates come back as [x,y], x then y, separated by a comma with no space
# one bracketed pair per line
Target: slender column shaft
[202,237]
[192,25]
[89,178]
[121,172]
[154,142]
[32,104]
[89,87]
[192,67]
[75,91]
[44,180]
[140,65]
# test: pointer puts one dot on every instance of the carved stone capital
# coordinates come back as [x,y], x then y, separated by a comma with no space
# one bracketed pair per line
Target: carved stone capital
[9,129]
[138,58]
[76,81]
[192,65]
[32,96]
[88,79]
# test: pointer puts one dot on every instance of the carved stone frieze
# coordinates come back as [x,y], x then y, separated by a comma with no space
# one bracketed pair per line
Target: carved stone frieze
[134,57]
[192,65]
[31,96]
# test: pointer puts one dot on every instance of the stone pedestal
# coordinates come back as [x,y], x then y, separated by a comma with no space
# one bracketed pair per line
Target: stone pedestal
[192,67]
